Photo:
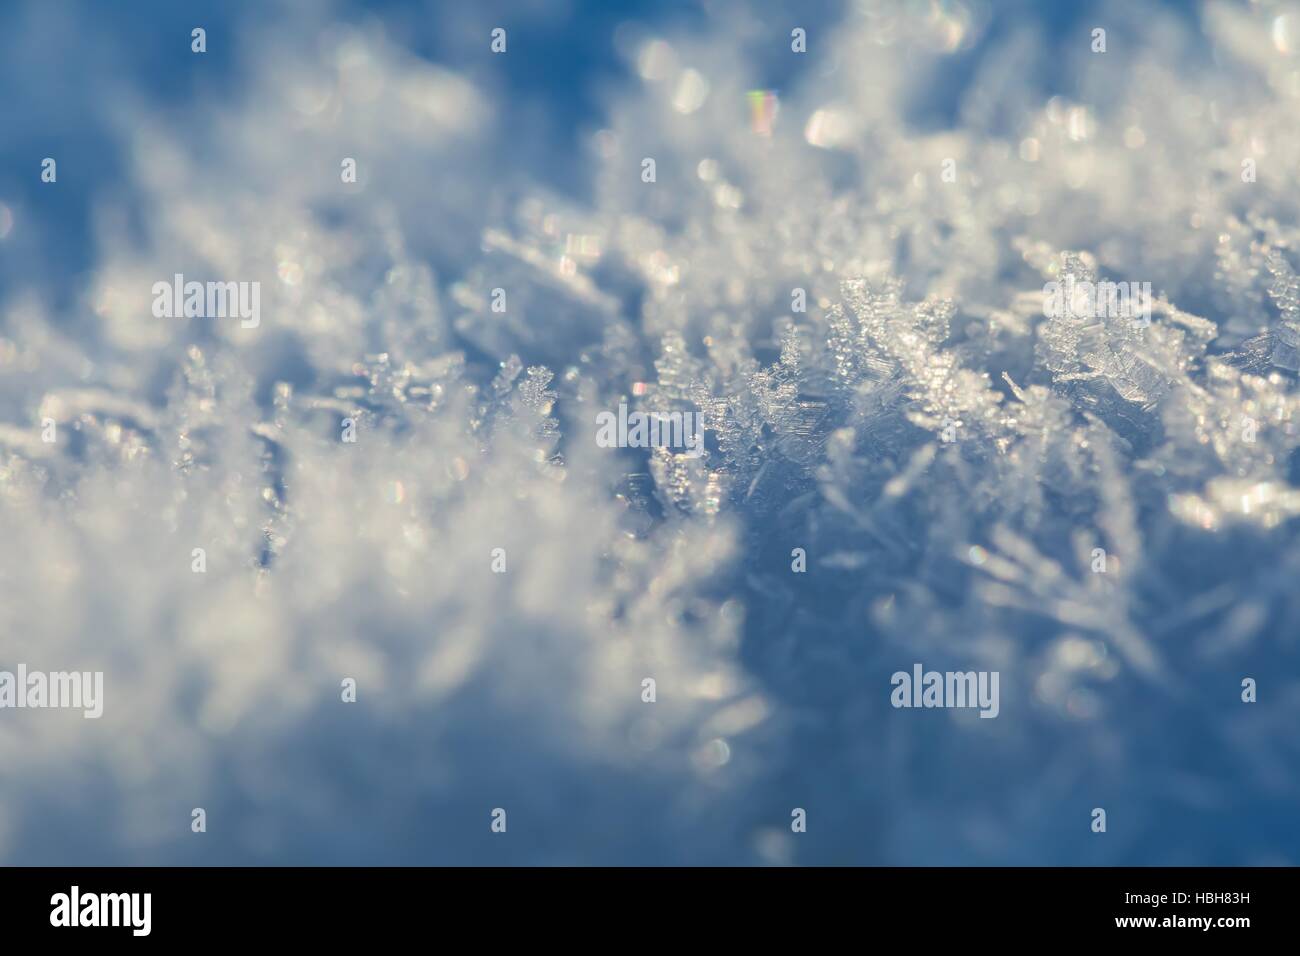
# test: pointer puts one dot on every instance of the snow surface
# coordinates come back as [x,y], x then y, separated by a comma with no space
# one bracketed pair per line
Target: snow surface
[476,431]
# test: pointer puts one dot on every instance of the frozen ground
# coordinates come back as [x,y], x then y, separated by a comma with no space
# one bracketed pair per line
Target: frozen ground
[1172,447]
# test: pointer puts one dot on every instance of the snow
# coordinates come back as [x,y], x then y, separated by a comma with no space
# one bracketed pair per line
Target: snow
[1170,446]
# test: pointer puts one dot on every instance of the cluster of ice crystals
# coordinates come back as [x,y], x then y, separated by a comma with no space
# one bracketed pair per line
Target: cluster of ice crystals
[1100,509]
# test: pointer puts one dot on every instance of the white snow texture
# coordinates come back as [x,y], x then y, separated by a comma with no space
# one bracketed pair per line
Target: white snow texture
[475,430]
